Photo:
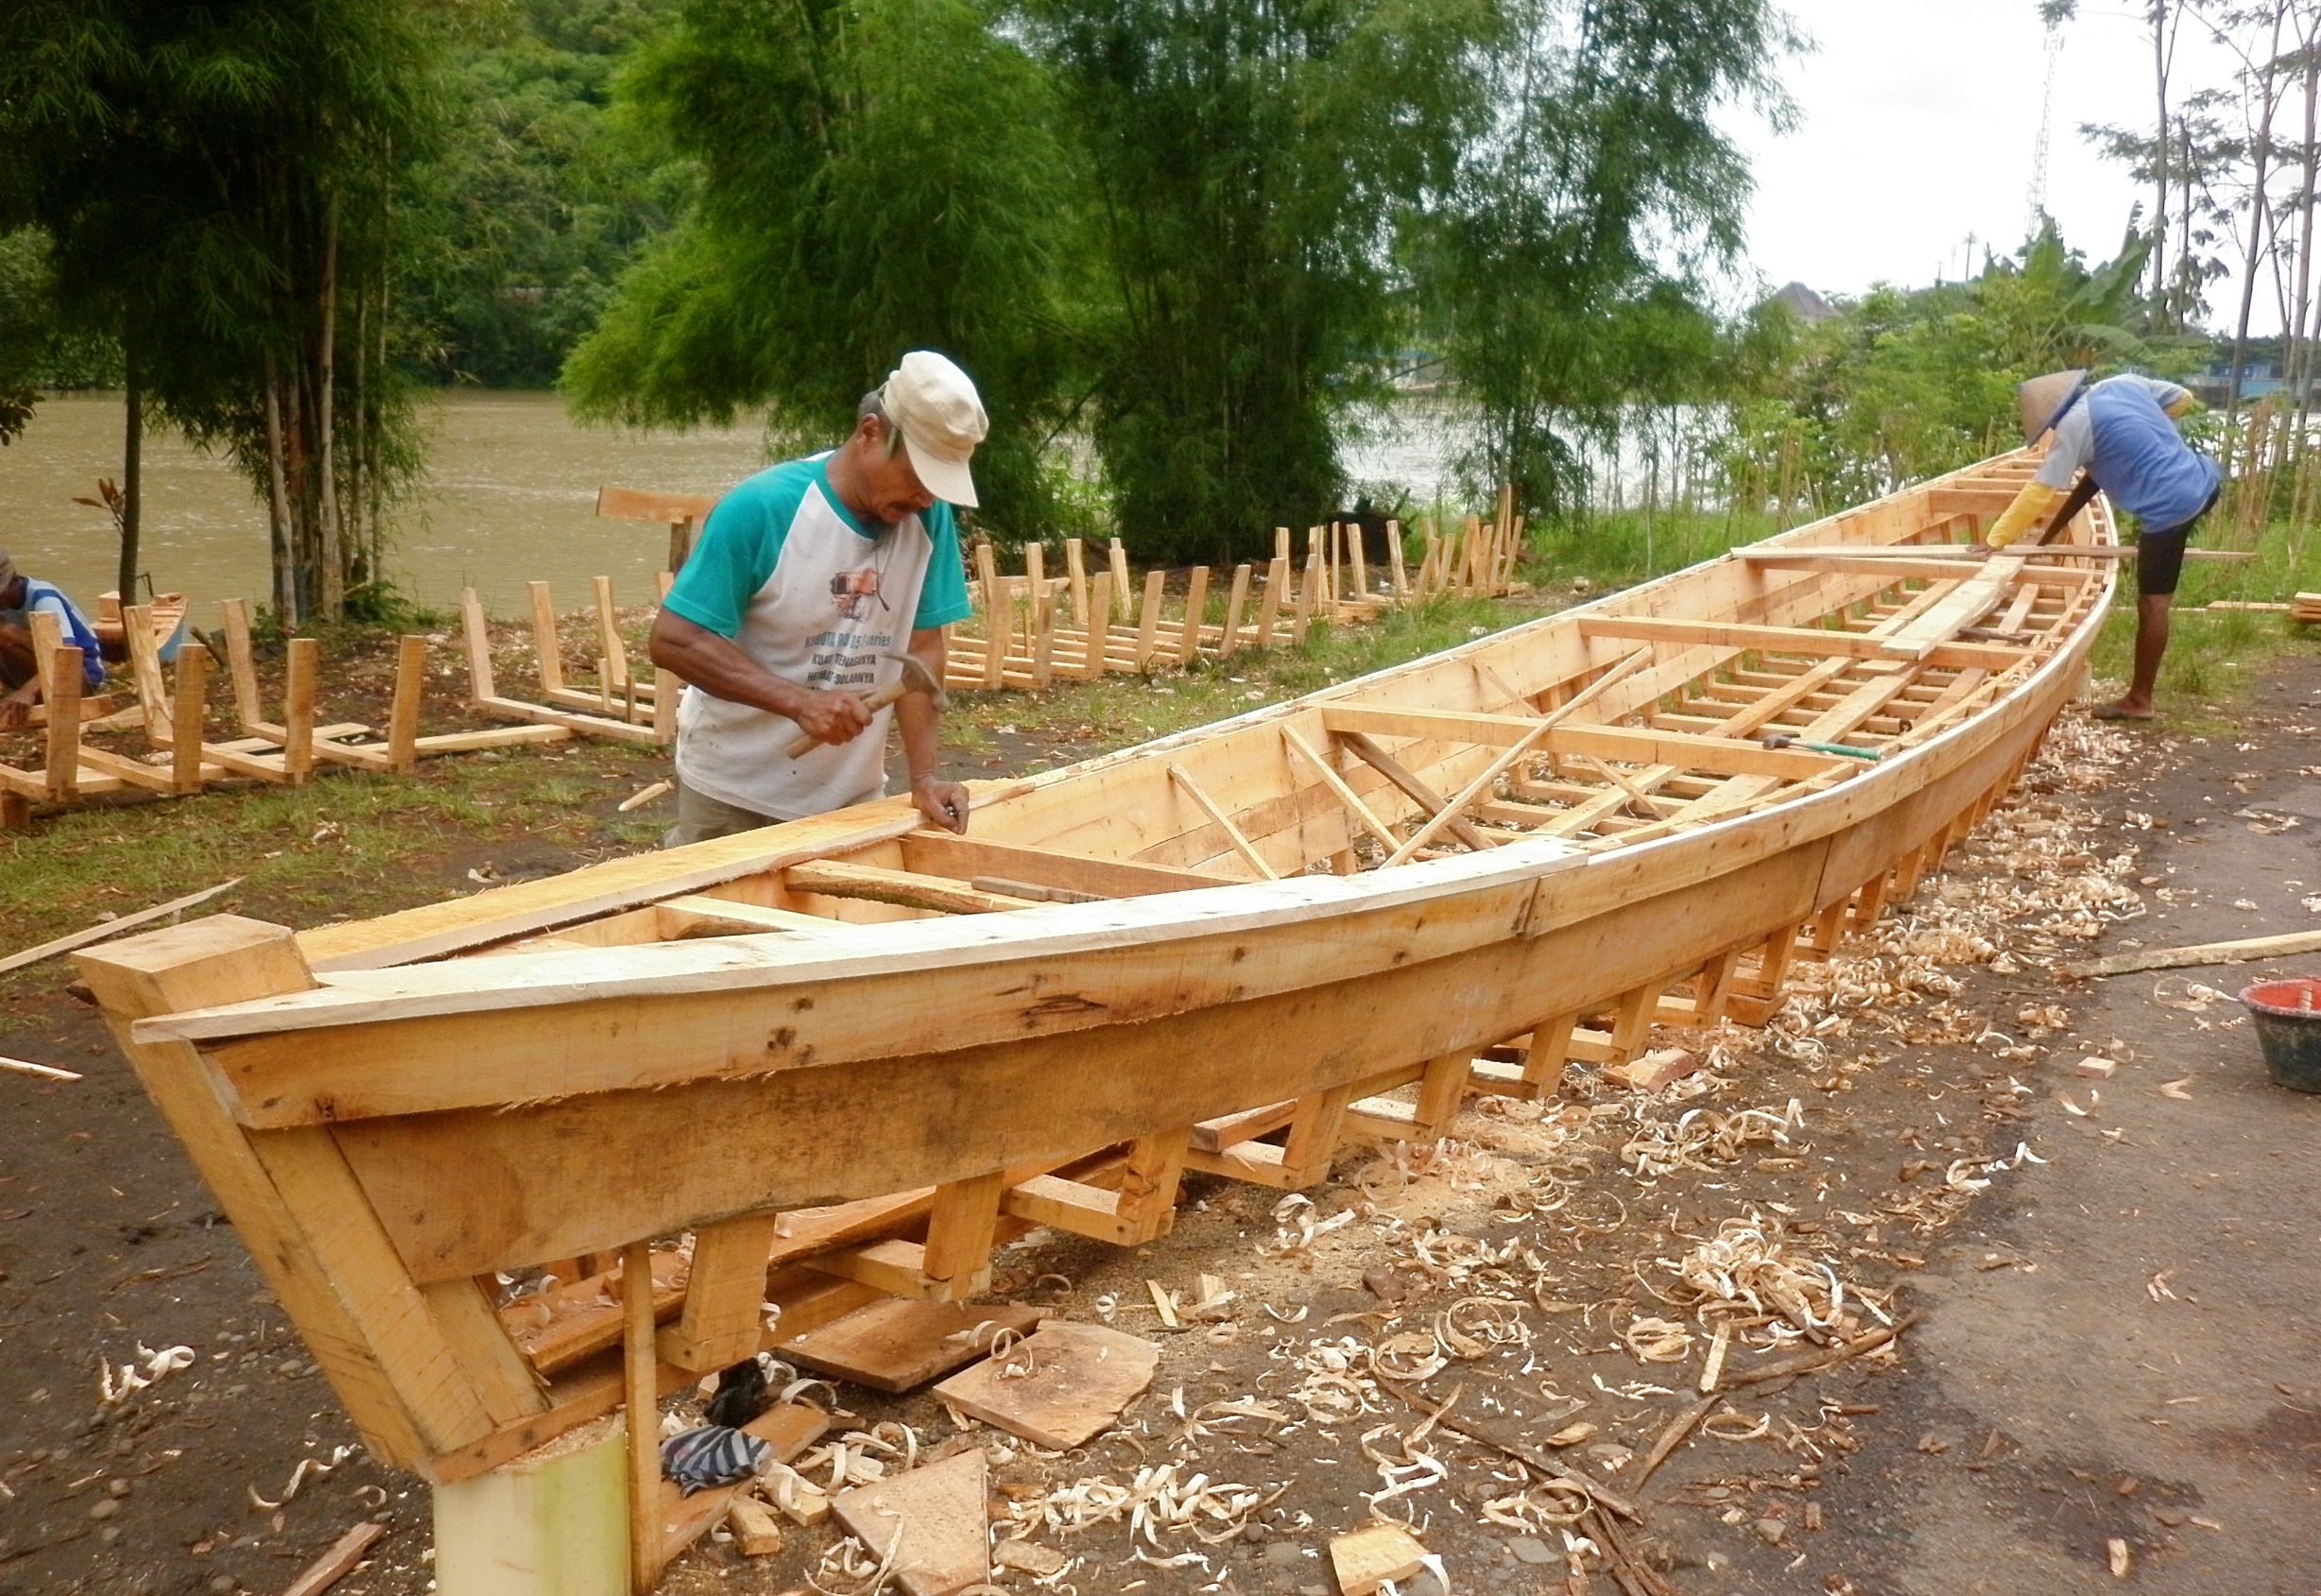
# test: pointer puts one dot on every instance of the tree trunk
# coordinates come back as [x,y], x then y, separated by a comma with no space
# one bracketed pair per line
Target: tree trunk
[2160,157]
[2260,211]
[278,501]
[132,468]
[329,551]
[2300,330]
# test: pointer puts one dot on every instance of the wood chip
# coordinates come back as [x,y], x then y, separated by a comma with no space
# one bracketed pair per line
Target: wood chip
[755,1530]
[338,1562]
[2175,1088]
[2122,1560]
[1370,1556]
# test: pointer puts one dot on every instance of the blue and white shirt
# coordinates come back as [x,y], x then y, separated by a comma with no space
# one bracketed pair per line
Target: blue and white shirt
[785,570]
[2121,433]
[74,625]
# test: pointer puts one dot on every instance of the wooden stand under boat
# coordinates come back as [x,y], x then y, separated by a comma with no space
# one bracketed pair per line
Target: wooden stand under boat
[1214,951]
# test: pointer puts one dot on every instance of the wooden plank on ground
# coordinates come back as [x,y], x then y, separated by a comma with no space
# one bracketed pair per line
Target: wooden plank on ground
[1059,1387]
[899,1345]
[933,1521]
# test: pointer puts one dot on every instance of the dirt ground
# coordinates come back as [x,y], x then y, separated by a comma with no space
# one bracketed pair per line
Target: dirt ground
[2118,1339]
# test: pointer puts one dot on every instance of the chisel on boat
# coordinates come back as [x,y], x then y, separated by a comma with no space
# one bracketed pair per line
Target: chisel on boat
[1783,739]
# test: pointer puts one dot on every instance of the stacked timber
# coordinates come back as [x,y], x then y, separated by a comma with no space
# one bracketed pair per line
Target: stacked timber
[1233,949]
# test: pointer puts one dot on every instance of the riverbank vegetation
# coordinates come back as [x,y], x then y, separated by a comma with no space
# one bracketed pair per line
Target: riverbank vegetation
[1188,251]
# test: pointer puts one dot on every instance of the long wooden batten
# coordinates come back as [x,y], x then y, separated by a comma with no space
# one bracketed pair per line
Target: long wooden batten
[1227,951]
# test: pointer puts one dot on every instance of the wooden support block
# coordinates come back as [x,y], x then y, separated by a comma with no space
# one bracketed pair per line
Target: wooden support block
[545,645]
[896,1345]
[62,693]
[1069,1384]
[1308,590]
[1632,1021]
[298,710]
[1149,1180]
[402,716]
[1099,626]
[1712,990]
[1148,619]
[998,616]
[186,718]
[1372,1555]
[15,811]
[249,709]
[1042,618]
[961,1231]
[1360,558]
[1118,556]
[145,664]
[1270,606]
[1313,1136]
[612,669]
[725,1293]
[641,1396]
[475,633]
[1394,560]
[899,1269]
[933,1519]
[1196,600]
[1076,578]
[755,1528]
[1229,644]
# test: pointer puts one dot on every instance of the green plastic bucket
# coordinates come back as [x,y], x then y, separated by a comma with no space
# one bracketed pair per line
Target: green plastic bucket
[2287,1015]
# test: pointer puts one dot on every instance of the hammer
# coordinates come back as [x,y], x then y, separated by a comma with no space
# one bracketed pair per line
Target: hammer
[916,678]
[1783,739]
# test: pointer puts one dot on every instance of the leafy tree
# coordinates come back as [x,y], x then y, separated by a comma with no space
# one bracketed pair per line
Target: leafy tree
[1244,162]
[873,175]
[1559,279]
[218,185]
[537,199]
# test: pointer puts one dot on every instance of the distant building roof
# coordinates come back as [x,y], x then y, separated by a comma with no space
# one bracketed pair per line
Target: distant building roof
[1804,303]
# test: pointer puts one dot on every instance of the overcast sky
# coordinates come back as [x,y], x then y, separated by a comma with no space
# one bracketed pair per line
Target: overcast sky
[1920,119]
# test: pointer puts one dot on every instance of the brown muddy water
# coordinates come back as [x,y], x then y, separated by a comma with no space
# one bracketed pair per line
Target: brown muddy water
[511,499]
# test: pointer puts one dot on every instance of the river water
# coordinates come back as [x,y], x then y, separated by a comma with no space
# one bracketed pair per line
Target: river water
[511,499]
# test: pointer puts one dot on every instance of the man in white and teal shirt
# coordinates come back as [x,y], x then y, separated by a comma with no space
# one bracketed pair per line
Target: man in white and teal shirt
[807,581]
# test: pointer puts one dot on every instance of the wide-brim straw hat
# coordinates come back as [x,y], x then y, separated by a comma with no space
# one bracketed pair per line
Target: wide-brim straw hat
[2042,401]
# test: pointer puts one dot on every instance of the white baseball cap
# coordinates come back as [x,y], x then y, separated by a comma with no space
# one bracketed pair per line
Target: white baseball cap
[936,407]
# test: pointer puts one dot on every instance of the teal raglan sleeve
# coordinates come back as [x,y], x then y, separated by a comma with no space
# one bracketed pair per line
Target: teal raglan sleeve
[734,557]
[943,598]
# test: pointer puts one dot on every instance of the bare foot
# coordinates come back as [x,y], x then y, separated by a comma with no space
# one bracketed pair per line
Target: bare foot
[2124,711]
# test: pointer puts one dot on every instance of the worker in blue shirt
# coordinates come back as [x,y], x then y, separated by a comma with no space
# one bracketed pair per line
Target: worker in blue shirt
[20,677]
[2118,436]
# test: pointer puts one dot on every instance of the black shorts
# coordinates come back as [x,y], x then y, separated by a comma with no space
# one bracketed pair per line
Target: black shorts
[2159,556]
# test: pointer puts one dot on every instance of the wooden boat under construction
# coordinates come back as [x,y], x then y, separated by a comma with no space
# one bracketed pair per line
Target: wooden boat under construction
[848,1054]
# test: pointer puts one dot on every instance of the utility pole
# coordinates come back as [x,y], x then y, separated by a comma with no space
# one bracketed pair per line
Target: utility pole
[2037,202]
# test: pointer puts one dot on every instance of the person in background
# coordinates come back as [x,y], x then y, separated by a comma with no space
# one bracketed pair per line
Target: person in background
[21,597]
[808,579]
[2118,436]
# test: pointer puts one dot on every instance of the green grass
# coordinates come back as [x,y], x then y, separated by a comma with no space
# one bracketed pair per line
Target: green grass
[2215,656]
[347,844]
[1618,549]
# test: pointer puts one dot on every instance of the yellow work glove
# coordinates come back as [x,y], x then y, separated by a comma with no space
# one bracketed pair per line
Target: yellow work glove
[2183,406]
[2034,501]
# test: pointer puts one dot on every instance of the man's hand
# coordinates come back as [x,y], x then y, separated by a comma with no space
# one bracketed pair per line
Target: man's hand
[833,716]
[943,803]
